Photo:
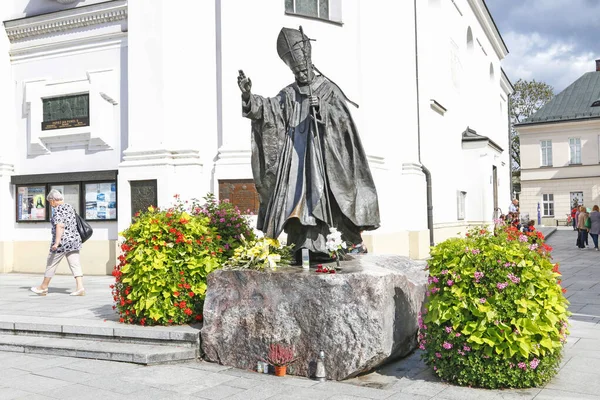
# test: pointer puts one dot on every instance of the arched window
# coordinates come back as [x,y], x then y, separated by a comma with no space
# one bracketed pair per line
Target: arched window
[469,40]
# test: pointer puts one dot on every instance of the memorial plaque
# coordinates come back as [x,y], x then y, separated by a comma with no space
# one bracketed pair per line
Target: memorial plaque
[241,193]
[66,112]
[143,195]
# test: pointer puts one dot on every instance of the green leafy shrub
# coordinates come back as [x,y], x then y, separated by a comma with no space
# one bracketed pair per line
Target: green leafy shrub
[496,315]
[166,258]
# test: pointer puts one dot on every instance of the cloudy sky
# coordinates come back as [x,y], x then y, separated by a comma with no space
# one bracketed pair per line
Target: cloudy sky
[553,41]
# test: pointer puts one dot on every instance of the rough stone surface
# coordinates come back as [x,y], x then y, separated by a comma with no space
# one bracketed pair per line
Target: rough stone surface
[361,317]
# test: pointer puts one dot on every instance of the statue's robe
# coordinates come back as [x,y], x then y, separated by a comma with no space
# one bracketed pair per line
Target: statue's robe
[289,172]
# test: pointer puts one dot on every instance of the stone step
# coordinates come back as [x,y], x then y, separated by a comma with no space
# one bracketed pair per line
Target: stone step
[100,330]
[100,350]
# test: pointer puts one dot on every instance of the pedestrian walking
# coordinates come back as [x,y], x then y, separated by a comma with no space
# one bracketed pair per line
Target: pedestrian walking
[66,242]
[582,238]
[595,225]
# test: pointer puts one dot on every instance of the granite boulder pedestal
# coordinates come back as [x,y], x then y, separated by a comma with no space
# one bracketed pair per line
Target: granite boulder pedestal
[361,317]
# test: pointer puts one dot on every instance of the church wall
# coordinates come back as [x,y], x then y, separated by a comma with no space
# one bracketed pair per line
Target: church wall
[454,69]
[50,64]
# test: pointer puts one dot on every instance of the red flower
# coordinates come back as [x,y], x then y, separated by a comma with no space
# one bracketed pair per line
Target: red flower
[183,221]
[564,290]
[176,304]
[187,286]
[191,294]
[181,272]
[199,317]
[176,294]
[121,320]
[188,311]
[155,247]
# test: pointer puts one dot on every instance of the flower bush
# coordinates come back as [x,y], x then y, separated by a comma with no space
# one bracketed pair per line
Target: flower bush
[166,258]
[496,315]
[228,221]
[259,254]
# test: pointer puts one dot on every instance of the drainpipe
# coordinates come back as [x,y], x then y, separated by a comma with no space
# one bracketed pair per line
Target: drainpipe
[510,171]
[425,170]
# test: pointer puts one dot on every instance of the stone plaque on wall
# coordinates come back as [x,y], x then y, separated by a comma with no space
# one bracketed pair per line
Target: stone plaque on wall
[66,112]
[143,195]
[241,193]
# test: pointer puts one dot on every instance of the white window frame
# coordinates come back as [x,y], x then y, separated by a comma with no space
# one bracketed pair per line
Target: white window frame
[546,153]
[461,204]
[574,151]
[573,195]
[335,11]
[548,205]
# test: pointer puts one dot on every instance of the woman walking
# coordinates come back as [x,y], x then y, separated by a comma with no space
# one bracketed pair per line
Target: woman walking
[595,228]
[66,242]
[583,230]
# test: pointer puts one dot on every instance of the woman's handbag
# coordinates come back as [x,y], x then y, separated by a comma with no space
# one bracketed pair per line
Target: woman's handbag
[84,229]
[588,223]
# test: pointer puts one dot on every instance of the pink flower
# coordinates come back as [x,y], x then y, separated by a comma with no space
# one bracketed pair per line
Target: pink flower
[447,345]
[522,238]
[466,348]
[475,251]
[457,334]
[502,285]
[478,276]
[450,282]
[482,300]
[444,272]
[522,365]
[448,329]
[513,278]
[534,363]
[438,355]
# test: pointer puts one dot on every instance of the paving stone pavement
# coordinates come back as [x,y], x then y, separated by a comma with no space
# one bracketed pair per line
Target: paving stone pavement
[33,376]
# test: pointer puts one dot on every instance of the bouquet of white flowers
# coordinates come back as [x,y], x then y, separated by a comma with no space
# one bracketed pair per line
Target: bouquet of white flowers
[335,243]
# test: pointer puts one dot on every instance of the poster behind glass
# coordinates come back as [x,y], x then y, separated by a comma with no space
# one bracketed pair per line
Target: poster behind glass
[70,193]
[101,201]
[31,203]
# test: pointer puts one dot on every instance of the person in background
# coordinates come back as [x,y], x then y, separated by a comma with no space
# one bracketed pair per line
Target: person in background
[65,242]
[574,216]
[595,228]
[514,207]
[583,231]
[531,226]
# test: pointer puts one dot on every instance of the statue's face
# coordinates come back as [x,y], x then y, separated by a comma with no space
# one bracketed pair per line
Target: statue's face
[302,75]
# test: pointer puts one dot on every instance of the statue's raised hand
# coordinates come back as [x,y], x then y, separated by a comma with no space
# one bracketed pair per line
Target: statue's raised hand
[245,84]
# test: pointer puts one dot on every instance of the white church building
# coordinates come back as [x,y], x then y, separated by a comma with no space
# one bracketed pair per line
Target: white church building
[123,104]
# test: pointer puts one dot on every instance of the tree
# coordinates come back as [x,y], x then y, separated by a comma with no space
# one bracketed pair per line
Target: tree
[528,97]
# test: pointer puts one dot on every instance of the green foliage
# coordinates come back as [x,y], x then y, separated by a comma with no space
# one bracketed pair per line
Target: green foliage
[528,97]
[496,315]
[167,256]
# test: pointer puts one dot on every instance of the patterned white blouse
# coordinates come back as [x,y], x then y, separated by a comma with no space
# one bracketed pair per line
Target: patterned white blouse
[70,239]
